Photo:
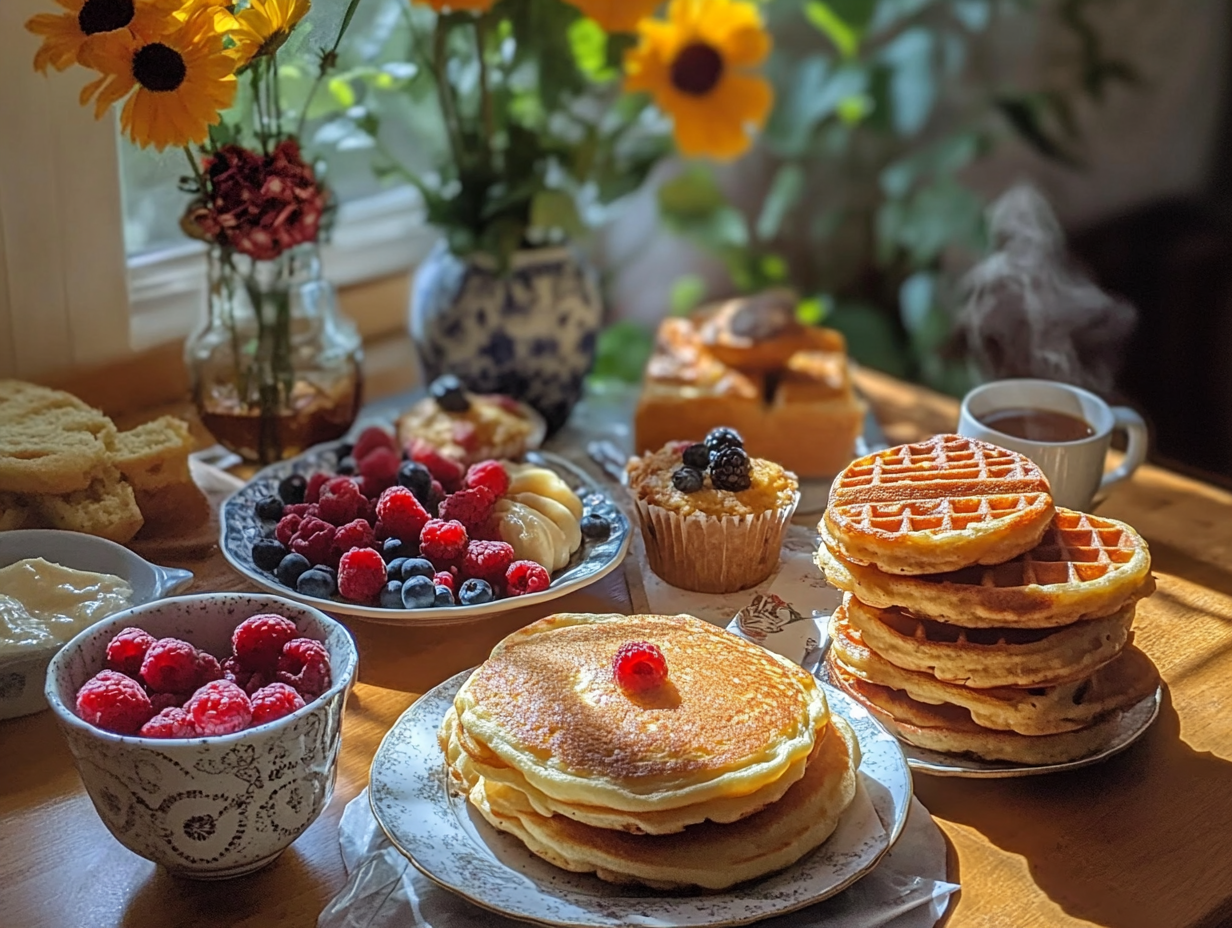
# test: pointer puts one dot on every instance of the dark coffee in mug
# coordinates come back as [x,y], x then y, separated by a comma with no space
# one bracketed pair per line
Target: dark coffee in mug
[1038,424]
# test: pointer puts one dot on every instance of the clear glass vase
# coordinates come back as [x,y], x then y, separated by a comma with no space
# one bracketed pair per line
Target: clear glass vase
[275,367]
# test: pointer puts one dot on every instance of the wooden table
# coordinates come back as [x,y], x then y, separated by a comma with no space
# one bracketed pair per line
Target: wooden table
[1143,841]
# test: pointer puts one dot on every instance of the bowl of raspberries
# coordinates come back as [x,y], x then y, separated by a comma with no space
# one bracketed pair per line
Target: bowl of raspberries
[206,728]
[369,529]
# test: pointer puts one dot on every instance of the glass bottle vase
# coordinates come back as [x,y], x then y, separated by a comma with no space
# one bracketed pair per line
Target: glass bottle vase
[275,367]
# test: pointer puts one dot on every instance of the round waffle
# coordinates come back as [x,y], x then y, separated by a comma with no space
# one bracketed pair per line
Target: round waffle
[951,729]
[938,505]
[989,657]
[731,718]
[709,855]
[1044,710]
[1084,567]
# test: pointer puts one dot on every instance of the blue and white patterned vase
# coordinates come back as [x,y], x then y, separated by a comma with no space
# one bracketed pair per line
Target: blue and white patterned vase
[528,333]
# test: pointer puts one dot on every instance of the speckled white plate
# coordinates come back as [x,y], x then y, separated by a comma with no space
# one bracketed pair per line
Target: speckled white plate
[593,561]
[455,848]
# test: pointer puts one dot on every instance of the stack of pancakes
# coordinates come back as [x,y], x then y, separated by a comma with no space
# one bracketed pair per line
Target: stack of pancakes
[731,769]
[978,618]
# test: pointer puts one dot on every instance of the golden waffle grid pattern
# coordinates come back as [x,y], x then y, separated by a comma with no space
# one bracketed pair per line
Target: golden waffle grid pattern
[956,482]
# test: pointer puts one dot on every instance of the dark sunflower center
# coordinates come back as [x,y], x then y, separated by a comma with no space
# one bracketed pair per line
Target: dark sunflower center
[697,69]
[104,15]
[159,68]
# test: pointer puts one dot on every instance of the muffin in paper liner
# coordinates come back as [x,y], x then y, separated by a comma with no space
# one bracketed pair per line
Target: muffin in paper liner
[714,554]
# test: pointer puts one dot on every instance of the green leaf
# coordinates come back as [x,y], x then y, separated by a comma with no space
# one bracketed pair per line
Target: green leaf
[814,310]
[973,14]
[784,195]
[692,193]
[621,352]
[853,109]
[913,87]
[915,300]
[772,269]
[934,218]
[1027,115]
[555,209]
[687,294]
[589,44]
[800,107]
[871,338]
[342,92]
[947,156]
[846,39]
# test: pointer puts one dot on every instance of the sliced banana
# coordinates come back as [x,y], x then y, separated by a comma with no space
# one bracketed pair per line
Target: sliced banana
[558,513]
[527,478]
[533,537]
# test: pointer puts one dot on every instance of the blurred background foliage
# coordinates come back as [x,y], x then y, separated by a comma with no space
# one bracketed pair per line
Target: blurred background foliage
[881,105]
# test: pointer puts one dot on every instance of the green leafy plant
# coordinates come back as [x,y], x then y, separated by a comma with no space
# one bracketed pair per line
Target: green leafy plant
[881,106]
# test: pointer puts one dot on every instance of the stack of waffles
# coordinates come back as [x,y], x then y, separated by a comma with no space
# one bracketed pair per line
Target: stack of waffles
[978,618]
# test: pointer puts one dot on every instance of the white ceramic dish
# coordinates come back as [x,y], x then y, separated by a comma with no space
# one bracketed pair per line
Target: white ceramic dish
[457,849]
[595,560]
[208,808]
[22,675]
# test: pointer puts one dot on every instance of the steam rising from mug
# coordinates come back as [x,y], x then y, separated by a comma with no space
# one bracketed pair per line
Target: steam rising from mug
[1030,313]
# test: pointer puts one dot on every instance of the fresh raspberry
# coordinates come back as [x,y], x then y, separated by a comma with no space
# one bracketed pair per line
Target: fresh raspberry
[491,475]
[487,560]
[219,708]
[127,649]
[247,680]
[170,666]
[114,702]
[161,701]
[361,574]
[287,527]
[208,669]
[470,507]
[172,722]
[380,468]
[302,509]
[305,665]
[312,492]
[370,439]
[465,434]
[273,702]
[340,501]
[315,541]
[443,541]
[639,666]
[400,515]
[448,471]
[257,642]
[524,577]
[357,534]
[446,578]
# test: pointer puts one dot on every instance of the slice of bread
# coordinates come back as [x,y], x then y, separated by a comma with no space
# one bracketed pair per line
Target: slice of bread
[50,441]
[155,455]
[14,512]
[106,508]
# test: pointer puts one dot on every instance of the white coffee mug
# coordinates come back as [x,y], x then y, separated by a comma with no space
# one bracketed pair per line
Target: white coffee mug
[1075,469]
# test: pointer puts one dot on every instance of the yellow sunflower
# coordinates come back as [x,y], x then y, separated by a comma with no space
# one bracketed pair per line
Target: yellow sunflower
[454,6]
[617,15]
[74,36]
[696,67]
[177,85]
[263,26]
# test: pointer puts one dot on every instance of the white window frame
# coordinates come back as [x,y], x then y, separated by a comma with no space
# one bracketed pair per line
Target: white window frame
[69,295]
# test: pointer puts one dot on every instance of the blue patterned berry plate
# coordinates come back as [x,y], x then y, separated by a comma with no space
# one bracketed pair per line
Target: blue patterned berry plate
[242,527]
[454,846]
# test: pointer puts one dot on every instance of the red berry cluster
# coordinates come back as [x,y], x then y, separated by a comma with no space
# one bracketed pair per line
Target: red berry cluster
[344,522]
[167,688]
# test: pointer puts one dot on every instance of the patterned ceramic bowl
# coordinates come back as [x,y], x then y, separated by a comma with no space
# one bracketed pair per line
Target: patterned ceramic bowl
[207,808]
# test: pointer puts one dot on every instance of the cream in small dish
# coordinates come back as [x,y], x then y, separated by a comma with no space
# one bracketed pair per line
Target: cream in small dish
[53,585]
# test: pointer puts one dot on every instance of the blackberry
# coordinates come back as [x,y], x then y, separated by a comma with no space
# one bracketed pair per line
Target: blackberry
[416,478]
[292,489]
[595,527]
[449,395]
[269,509]
[697,456]
[729,469]
[347,466]
[723,438]
[268,553]
[687,479]
[344,450]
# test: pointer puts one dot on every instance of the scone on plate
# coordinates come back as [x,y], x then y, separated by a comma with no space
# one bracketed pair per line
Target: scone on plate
[713,519]
[50,441]
[469,427]
[155,455]
[106,508]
